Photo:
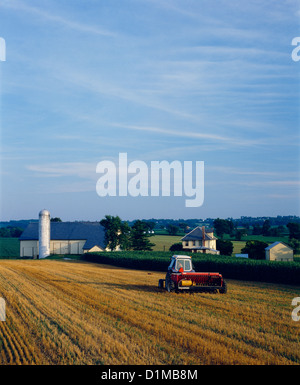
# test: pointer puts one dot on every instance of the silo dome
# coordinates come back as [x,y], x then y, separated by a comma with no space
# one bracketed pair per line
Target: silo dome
[44,212]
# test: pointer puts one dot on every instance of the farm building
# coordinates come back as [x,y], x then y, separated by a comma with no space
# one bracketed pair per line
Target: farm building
[200,240]
[278,251]
[65,238]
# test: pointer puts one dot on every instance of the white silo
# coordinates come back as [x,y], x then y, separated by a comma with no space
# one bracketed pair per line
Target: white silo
[44,234]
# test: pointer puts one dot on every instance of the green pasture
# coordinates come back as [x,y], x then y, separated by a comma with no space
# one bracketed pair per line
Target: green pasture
[9,247]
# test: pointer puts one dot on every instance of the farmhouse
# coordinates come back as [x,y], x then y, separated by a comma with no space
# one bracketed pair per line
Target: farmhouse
[279,251]
[65,238]
[200,240]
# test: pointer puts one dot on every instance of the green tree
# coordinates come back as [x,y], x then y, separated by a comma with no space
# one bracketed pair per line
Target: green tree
[225,247]
[176,247]
[255,249]
[223,226]
[295,245]
[266,228]
[257,230]
[139,237]
[10,232]
[150,225]
[4,232]
[281,230]
[172,229]
[124,235]
[238,235]
[183,225]
[116,232]
[55,219]
[294,229]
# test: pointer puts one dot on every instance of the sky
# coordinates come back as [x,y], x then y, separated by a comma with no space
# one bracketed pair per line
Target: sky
[210,81]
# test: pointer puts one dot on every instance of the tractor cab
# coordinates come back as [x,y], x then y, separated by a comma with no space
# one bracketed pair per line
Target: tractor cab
[181,263]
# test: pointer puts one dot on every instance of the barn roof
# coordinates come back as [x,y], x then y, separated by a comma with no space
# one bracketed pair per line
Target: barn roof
[197,234]
[92,232]
[275,244]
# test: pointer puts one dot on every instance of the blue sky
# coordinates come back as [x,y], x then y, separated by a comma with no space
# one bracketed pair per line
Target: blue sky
[186,80]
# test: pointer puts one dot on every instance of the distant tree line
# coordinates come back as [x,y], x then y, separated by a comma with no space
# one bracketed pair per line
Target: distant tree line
[243,222]
[16,231]
[10,232]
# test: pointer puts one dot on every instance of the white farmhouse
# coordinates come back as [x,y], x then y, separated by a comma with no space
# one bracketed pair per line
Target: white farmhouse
[200,240]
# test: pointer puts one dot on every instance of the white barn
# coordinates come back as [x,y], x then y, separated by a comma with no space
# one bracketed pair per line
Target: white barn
[65,238]
[279,251]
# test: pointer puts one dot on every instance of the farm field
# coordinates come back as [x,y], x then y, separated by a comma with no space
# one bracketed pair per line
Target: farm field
[163,242]
[73,312]
[9,247]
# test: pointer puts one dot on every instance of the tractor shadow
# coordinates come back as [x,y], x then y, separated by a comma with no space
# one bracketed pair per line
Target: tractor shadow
[134,287]
[116,286]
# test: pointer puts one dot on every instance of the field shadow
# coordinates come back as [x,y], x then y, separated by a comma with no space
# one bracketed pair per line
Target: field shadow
[133,287]
[129,287]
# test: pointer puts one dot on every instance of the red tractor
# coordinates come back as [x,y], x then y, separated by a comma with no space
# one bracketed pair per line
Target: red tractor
[182,276]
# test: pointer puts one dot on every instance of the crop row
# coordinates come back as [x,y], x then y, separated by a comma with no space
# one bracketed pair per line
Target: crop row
[229,267]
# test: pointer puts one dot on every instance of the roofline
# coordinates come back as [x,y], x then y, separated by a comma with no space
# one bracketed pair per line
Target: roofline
[206,233]
[277,243]
[181,256]
[96,244]
[55,239]
[191,231]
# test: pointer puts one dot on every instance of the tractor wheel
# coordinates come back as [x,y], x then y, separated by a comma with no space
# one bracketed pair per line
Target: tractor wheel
[170,285]
[223,290]
[161,283]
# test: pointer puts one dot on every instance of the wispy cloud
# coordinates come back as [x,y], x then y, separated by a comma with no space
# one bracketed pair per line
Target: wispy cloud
[283,196]
[104,87]
[63,21]
[64,169]
[258,173]
[201,134]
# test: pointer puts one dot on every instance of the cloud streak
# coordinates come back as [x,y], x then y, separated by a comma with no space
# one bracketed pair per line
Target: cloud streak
[48,16]
[64,169]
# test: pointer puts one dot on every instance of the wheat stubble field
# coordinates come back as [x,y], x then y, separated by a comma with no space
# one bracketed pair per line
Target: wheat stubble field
[67,312]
